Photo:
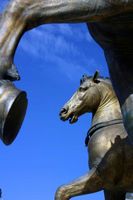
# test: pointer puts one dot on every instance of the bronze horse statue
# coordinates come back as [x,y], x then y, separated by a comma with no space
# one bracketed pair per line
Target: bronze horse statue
[109,149]
[110,22]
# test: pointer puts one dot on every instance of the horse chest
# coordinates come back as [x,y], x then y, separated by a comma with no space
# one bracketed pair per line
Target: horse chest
[106,141]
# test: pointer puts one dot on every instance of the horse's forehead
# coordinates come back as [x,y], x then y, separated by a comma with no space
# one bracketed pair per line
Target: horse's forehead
[102,82]
[86,82]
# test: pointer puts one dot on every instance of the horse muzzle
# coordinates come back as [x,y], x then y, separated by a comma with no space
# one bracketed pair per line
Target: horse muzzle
[65,114]
[13,105]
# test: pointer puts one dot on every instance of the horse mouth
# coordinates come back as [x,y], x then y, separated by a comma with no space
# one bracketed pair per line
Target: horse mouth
[72,118]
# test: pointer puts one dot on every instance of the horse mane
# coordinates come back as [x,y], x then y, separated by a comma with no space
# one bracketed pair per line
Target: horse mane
[100,78]
[105,79]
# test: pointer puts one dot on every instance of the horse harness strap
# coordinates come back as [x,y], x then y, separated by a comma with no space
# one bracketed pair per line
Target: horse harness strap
[98,126]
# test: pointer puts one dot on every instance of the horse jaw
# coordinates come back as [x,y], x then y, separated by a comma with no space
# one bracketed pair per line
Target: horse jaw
[72,117]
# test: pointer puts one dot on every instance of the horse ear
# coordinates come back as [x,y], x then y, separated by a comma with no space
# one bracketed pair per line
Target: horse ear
[96,75]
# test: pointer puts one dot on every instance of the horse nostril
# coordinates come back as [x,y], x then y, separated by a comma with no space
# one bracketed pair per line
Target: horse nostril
[63,111]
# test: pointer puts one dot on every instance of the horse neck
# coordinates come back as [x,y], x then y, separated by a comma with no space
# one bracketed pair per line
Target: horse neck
[109,108]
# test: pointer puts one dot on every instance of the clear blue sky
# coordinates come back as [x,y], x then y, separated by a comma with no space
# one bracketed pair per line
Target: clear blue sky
[47,152]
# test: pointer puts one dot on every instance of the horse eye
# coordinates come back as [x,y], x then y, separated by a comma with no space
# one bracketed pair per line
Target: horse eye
[82,89]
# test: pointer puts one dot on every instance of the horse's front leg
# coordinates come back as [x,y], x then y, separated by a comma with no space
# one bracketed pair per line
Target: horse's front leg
[11,28]
[22,15]
[89,183]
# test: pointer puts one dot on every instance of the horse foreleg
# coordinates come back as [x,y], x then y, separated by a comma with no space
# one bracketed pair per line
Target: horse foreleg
[22,15]
[89,183]
[111,195]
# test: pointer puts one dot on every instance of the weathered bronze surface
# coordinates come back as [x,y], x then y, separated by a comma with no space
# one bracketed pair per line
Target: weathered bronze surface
[13,104]
[109,149]
[110,22]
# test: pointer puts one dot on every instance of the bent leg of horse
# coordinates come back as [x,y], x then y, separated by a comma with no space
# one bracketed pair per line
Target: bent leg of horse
[22,15]
[89,183]
[111,195]
[121,70]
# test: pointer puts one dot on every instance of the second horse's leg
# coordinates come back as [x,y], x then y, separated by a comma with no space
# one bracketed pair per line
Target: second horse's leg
[89,183]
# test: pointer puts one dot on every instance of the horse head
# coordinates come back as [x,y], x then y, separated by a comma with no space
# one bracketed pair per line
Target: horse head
[85,99]
[95,95]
